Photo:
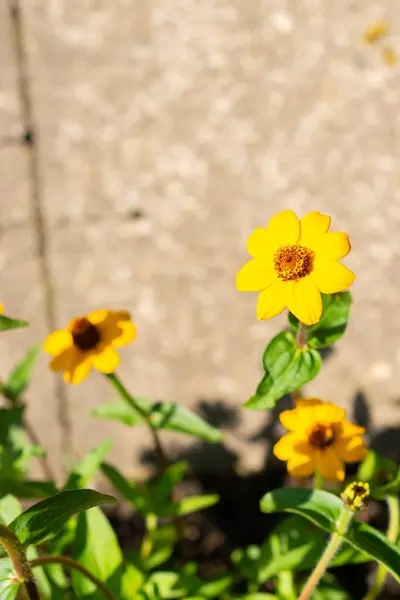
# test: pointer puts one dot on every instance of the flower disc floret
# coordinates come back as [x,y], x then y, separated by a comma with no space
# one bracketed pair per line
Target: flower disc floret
[319,439]
[89,341]
[294,261]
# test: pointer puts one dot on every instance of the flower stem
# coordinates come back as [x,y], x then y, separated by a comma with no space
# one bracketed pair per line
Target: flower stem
[72,564]
[20,563]
[318,481]
[302,335]
[392,535]
[331,549]
[130,400]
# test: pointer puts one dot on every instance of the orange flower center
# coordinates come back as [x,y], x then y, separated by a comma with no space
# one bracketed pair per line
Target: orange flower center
[86,336]
[321,436]
[293,262]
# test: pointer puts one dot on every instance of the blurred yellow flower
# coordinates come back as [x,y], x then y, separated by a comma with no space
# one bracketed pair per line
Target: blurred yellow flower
[390,56]
[319,439]
[375,32]
[1,308]
[294,261]
[89,341]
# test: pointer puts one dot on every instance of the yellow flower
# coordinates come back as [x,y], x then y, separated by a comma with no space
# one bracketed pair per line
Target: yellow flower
[355,495]
[1,308]
[375,32]
[319,439]
[89,341]
[390,57]
[294,261]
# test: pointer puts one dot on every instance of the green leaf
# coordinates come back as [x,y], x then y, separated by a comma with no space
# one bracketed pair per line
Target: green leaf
[373,542]
[287,368]
[163,415]
[376,469]
[83,472]
[120,411]
[15,451]
[193,504]
[389,489]
[257,596]
[333,323]
[382,474]
[6,323]
[132,581]
[9,586]
[130,491]
[19,378]
[43,520]
[296,545]
[323,509]
[318,506]
[10,508]
[96,547]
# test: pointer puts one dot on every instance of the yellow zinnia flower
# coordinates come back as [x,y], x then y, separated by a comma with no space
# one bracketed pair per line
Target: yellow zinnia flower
[89,341]
[294,261]
[375,32]
[390,56]
[319,439]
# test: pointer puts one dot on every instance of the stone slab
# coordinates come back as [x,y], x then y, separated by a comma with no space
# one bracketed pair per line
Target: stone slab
[168,131]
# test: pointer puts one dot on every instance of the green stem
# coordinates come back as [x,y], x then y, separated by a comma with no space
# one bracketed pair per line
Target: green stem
[20,563]
[130,400]
[301,342]
[318,481]
[147,545]
[302,335]
[331,549]
[392,535]
[72,564]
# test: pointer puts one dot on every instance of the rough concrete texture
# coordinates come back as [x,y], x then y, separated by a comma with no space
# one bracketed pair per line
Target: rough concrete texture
[166,131]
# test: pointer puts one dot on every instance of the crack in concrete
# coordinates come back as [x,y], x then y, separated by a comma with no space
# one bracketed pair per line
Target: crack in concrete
[29,140]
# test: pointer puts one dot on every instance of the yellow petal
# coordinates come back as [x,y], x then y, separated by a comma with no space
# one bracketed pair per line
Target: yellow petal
[255,276]
[312,225]
[348,429]
[107,361]
[285,448]
[1,308]
[329,464]
[301,402]
[297,419]
[98,316]
[57,342]
[351,449]
[283,229]
[272,300]
[63,361]
[128,334]
[305,301]
[122,315]
[328,413]
[258,243]
[79,371]
[301,465]
[332,246]
[331,277]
